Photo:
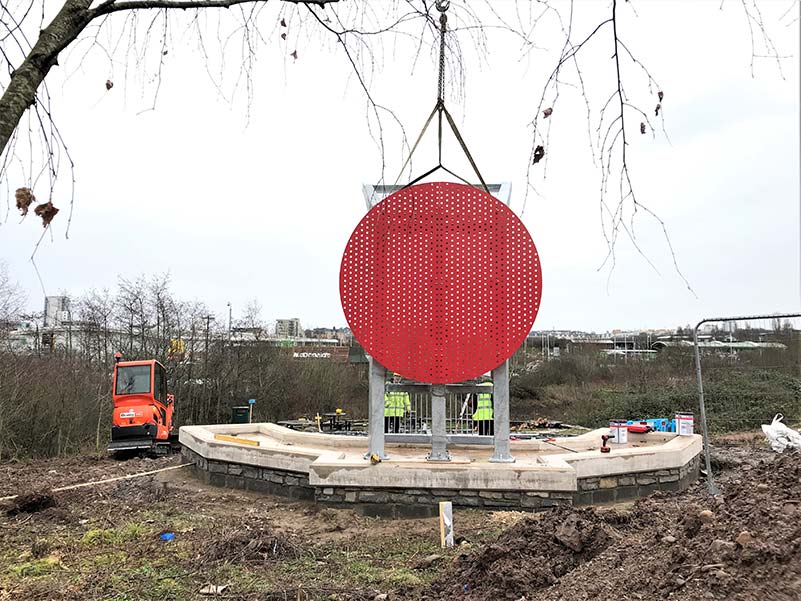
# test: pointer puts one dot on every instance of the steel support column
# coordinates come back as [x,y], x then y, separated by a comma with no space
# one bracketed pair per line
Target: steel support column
[439,438]
[500,411]
[375,425]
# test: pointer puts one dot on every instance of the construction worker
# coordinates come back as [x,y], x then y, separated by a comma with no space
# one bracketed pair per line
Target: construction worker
[484,416]
[396,405]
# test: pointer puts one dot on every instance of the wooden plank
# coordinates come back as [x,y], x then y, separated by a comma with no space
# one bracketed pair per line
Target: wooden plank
[237,439]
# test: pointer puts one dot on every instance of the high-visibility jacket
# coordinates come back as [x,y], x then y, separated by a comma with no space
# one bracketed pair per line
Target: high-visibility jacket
[396,403]
[484,405]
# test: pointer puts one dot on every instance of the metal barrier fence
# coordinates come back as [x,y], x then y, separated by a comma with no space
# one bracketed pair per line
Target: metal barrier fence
[748,369]
[460,404]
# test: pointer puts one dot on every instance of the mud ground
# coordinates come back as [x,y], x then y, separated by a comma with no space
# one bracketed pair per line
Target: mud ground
[104,542]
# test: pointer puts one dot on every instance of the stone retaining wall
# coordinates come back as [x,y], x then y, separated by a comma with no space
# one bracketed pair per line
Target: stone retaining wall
[624,487]
[402,501]
[248,477]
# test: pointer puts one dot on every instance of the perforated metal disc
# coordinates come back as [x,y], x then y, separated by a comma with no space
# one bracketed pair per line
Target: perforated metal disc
[440,282]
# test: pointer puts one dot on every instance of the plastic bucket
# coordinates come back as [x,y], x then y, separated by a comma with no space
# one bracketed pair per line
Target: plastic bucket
[684,424]
[619,431]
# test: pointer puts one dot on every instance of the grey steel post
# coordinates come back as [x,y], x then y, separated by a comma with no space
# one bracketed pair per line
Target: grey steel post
[713,490]
[375,424]
[439,438]
[500,412]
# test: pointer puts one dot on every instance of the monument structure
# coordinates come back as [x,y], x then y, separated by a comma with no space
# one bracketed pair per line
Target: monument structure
[440,283]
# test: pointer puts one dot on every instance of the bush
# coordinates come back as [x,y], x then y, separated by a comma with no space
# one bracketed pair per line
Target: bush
[590,392]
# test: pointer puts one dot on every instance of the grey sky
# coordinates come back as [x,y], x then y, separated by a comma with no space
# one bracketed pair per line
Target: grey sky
[237,210]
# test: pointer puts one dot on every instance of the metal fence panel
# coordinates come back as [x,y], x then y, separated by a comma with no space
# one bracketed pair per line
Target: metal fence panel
[460,404]
[748,369]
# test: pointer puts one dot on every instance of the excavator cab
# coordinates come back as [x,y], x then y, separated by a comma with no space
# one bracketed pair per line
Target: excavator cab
[143,409]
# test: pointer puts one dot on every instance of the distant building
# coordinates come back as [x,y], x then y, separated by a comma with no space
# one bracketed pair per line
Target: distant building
[342,334]
[721,346]
[57,311]
[288,328]
[23,338]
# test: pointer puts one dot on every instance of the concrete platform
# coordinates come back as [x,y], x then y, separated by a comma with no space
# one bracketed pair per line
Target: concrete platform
[331,468]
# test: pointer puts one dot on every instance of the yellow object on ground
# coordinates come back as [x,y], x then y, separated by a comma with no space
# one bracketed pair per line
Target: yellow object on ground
[237,439]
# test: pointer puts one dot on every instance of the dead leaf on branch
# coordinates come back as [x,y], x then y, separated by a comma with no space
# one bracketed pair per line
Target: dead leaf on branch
[547,112]
[283,23]
[283,36]
[660,95]
[46,211]
[658,108]
[109,84]
[642,127]
[24,198]
[294,54]
[539,152]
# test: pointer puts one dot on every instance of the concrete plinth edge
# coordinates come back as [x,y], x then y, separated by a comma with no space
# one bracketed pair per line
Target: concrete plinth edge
[331,476]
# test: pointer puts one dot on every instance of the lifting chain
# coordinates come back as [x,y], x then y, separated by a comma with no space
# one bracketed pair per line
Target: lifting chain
[440,110]
[442,6]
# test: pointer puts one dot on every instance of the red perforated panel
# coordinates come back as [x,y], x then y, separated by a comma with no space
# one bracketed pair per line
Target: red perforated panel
[440,282]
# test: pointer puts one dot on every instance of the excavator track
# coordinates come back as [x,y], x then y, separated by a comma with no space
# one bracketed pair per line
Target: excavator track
[133,447]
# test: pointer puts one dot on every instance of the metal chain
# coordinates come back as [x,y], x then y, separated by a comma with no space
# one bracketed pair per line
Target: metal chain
[442,6]
[440,110]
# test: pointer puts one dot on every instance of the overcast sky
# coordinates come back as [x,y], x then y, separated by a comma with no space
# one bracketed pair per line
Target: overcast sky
[237,208]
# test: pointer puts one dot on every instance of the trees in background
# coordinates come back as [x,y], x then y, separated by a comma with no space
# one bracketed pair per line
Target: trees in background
[57,400]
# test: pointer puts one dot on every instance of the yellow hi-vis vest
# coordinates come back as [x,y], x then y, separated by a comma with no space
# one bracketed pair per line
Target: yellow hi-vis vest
[396,404]
[484,405]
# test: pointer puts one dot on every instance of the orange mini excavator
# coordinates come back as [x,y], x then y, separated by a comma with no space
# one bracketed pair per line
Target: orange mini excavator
[143,410]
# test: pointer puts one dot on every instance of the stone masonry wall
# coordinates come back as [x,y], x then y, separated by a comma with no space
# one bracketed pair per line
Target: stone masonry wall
[248,477]
[624,487]
[400,501]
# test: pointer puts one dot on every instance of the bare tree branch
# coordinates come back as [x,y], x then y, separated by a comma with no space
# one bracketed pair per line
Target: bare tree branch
[111,6]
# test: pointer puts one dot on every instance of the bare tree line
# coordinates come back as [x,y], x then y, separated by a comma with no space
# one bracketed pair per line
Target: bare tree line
[58,400]
[137,36]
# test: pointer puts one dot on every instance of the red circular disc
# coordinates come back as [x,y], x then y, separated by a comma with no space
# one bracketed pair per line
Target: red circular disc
[440,282]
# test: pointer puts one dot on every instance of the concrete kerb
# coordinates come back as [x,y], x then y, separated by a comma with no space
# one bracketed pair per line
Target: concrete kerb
[320,464]
[673,453]
[418,474]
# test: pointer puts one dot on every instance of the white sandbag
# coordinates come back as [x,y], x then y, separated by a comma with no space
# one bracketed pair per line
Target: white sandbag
[780,436]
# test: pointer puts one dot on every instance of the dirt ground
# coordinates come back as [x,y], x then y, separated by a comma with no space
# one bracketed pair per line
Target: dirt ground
[104,542]
[744,544]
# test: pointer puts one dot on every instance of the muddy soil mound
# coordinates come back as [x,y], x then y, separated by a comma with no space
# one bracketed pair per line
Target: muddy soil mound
[533,554]
[32,502]
[743,545]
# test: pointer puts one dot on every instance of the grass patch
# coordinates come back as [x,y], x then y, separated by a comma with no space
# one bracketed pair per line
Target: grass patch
[99,536]
[111,536]
[406,577]
[36,567]
[361,571]
[112,558]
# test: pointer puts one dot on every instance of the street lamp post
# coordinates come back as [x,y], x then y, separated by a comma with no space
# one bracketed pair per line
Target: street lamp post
[229,322]
[209,319]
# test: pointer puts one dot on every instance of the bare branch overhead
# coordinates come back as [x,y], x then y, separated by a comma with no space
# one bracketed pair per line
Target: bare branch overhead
[111,6]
